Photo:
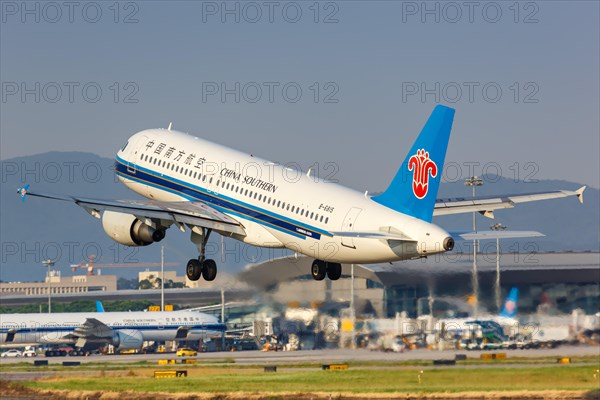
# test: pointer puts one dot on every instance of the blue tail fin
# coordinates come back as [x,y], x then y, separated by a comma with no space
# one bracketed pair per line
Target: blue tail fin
[99,306]
[510,305]
[414,189]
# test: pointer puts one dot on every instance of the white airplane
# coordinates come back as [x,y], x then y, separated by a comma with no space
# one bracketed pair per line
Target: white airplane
[123,330]
[204,187]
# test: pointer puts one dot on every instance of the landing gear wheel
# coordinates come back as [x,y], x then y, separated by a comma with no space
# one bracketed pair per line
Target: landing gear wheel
[209,272]
[334,271]
[193,269]
[318,270]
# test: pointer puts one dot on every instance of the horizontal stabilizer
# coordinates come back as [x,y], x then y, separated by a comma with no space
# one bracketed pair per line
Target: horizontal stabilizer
[496,235]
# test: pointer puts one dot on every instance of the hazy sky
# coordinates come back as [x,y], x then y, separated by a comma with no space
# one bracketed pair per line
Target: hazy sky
[343,82]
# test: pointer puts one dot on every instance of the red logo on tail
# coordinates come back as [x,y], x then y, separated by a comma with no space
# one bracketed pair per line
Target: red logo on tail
[422,166]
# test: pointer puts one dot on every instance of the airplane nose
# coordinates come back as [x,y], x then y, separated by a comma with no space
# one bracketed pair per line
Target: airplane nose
[448,243]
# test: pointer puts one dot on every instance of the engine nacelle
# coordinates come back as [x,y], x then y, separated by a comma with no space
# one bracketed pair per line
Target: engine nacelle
[128,230]
[127,339]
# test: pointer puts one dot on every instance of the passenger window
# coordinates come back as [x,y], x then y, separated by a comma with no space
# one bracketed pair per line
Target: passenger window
[312,214]
[321,219]
[326,219]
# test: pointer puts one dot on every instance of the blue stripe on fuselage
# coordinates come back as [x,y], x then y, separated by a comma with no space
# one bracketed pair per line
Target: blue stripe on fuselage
[220,202]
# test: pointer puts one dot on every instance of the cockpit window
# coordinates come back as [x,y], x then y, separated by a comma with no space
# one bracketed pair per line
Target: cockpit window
[124,146]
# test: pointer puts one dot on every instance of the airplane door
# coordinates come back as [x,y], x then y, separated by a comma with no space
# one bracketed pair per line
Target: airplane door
[348,226]
[135,154]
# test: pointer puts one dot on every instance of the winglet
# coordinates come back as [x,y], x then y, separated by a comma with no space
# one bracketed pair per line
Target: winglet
[23,191]
[579,193]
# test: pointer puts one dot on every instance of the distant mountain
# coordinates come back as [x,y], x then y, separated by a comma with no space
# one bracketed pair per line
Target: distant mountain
[40,229]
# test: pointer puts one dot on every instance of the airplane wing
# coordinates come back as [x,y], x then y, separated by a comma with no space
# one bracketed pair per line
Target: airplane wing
[487,204]
[92,330]
[194,213]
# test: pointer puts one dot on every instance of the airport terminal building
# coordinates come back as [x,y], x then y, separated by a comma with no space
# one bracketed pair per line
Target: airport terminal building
[549,282]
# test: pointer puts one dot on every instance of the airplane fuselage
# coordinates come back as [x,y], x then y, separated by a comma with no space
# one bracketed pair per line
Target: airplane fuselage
[61,328]
[277,206]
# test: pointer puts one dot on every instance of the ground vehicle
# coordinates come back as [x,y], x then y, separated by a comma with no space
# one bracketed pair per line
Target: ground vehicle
[12,353]
[186,352]
[29,353]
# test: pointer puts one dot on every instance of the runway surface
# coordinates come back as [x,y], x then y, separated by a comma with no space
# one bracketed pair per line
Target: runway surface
[315,356]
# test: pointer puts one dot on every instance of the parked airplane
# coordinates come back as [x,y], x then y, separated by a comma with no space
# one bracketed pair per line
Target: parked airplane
[497,326]
[204,187]
[123,330]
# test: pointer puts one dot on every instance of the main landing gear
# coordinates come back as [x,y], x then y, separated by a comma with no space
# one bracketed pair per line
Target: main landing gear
[321,268]
[201,267]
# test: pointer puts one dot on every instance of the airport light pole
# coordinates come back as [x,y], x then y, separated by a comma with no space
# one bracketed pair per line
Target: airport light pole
[497,227]
[49,263]
[352,306]
[162,278]
[222,317]
[473,182]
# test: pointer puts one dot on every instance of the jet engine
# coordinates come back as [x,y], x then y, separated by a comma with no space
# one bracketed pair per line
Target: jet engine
[128,230]
[127,339]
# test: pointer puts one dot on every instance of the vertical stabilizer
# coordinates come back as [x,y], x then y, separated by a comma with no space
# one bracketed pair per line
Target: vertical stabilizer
[510,305]
[413,190]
